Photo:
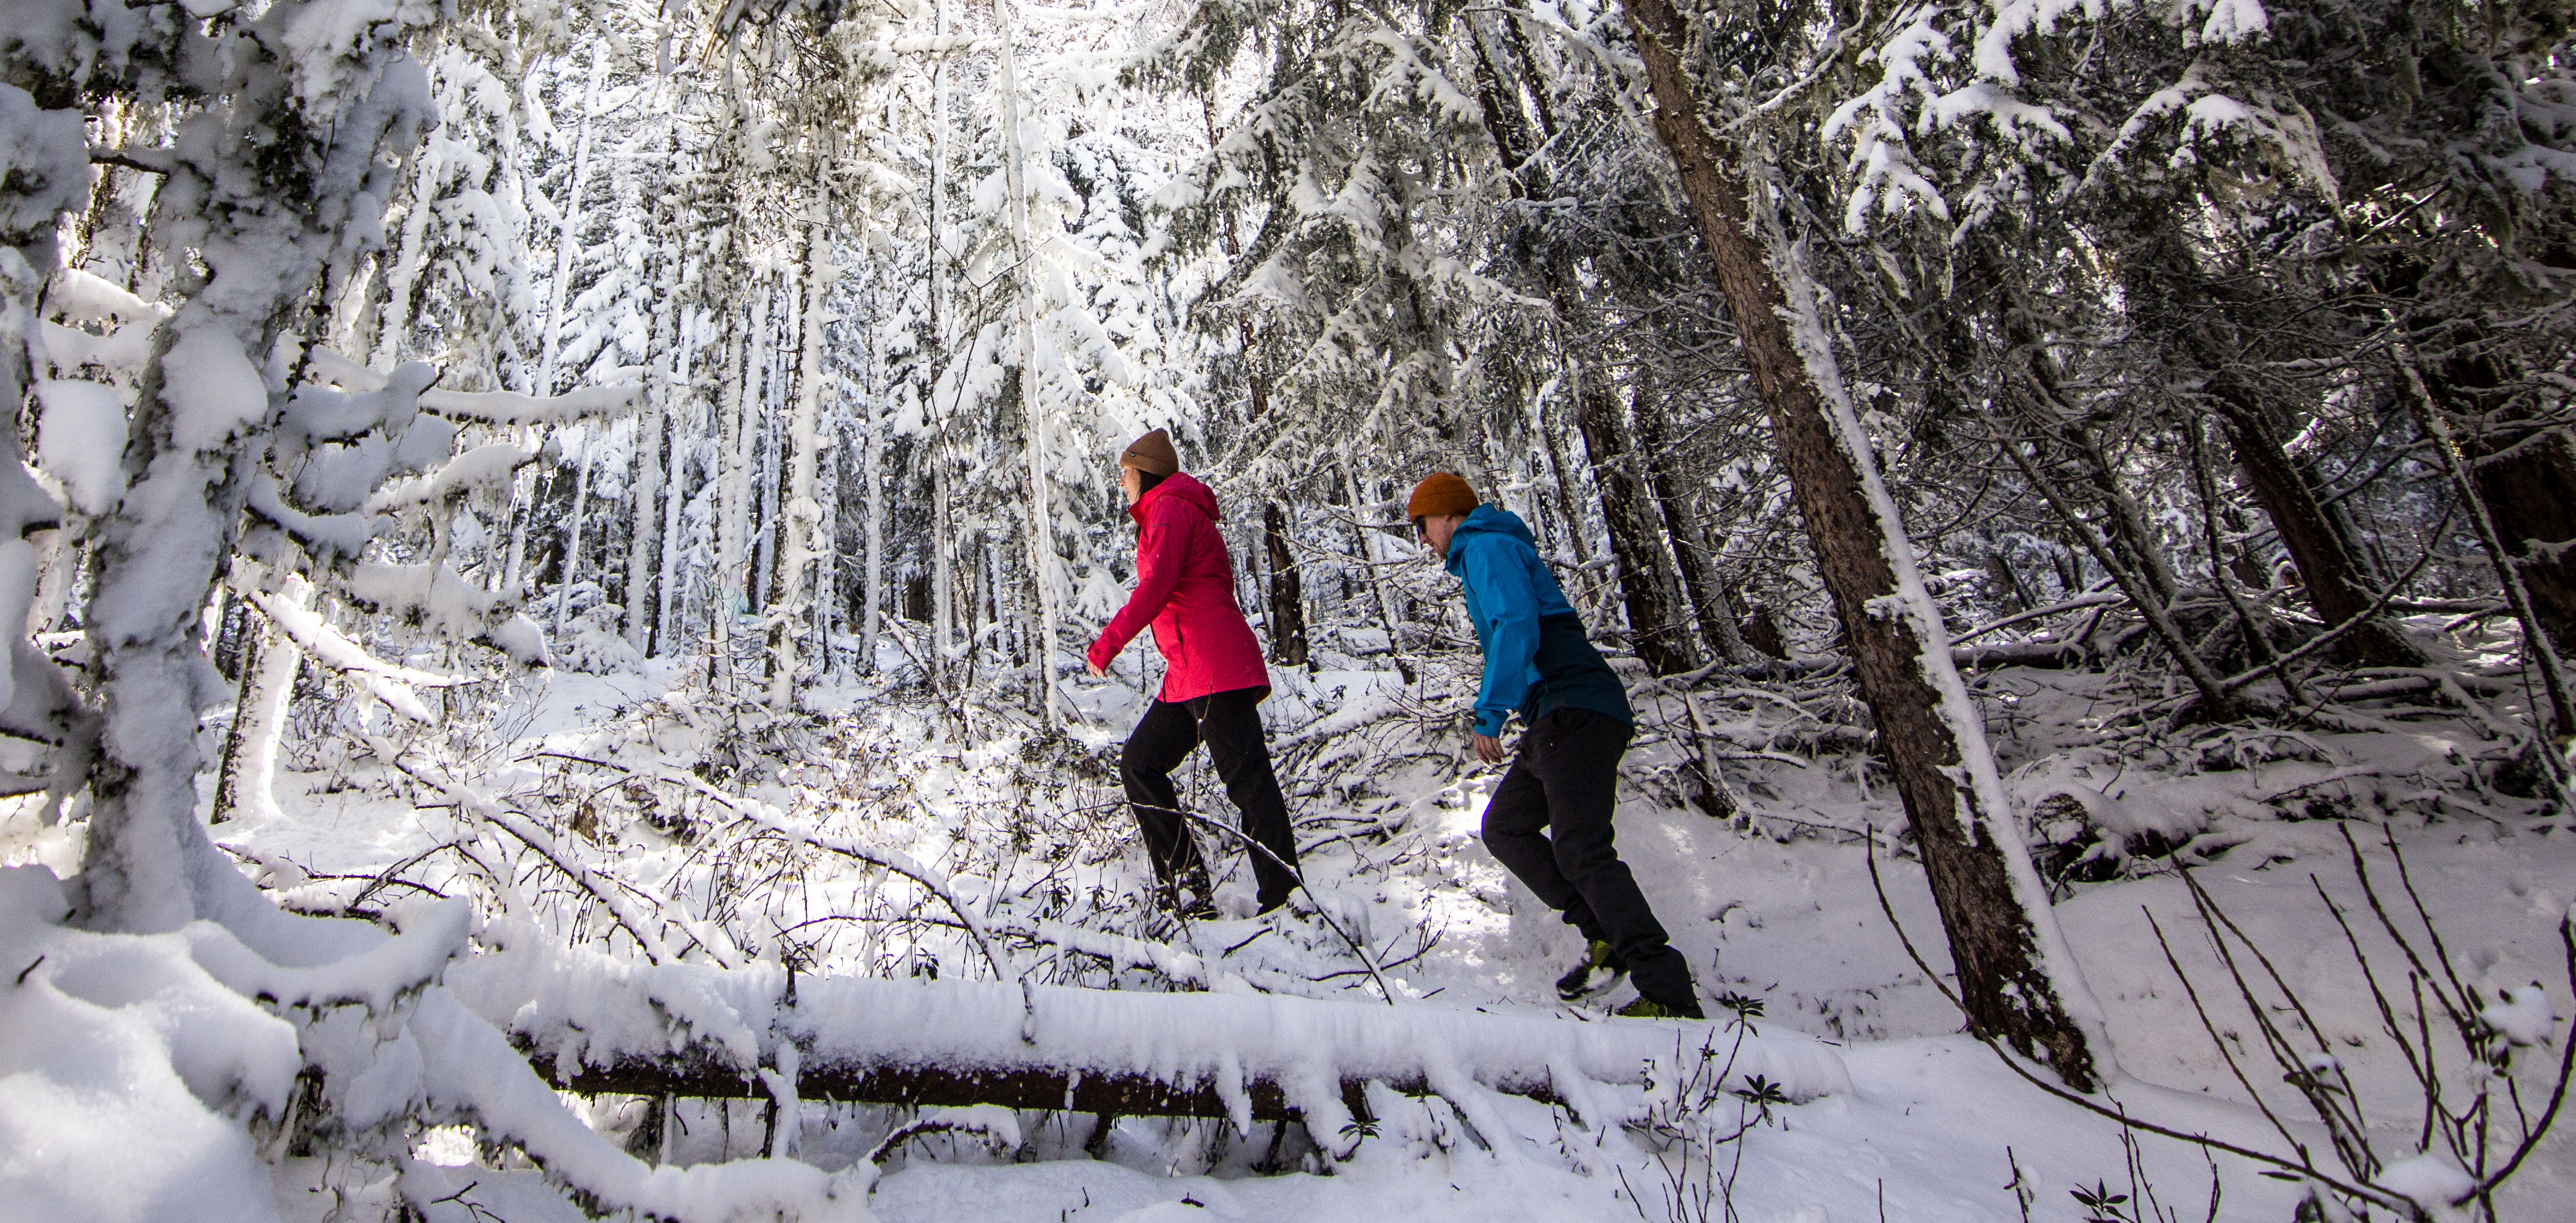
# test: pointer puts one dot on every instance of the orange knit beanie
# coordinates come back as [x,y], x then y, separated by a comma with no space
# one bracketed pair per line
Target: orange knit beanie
[1440,494]
[1152,454]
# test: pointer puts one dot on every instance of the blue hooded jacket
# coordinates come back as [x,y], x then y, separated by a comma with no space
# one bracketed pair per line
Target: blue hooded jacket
[1536,656]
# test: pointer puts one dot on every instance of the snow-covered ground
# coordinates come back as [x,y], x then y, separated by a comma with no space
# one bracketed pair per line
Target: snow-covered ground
[1775,908]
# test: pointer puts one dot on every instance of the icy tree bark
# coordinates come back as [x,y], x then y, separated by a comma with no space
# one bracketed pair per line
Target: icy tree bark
[2017,977]
[872,480]
[768,461]
[644,540]
[247,781]
[645,561]
[934,442]
[943,569]
[1041,521]
[684,433]
[262,218]
[733,481]
[801,517]
[593,434]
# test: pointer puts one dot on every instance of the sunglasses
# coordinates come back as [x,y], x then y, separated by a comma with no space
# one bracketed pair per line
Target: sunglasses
[1421,528]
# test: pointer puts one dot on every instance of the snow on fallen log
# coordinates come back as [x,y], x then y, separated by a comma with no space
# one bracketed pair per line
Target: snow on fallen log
[597,1024]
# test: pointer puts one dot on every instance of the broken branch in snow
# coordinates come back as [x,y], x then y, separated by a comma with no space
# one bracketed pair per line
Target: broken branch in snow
[762,816]
[1257,847]
[468,802]
[333,650]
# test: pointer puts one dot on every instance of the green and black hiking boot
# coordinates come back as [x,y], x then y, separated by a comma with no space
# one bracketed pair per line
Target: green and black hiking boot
[1597,958]
[1648,1008]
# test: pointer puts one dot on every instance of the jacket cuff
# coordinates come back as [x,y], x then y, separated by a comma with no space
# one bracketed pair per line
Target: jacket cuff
[1489,723]
[1097,656]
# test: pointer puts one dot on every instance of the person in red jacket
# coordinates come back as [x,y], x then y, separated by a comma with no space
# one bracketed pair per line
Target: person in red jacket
[1212,681]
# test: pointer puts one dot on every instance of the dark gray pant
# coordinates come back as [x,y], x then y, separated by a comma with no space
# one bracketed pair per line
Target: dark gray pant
[1230,724]
[1549,823]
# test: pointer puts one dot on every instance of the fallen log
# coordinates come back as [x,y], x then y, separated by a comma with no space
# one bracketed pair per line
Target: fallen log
[1124,1095]
[595,1024]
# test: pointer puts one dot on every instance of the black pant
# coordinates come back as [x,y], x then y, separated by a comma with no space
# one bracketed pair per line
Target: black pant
[1549,823]
[1230,724]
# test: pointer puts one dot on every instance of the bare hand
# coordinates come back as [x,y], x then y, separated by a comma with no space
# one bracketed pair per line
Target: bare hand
[1488,748]
[1096,670]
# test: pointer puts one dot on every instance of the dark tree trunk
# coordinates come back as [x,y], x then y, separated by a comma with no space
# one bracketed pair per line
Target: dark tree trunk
[1656,622]
[2007,584]
[1762,632]
[2526,473]
[1690,542]
[1287,596]
[2008,995]
[2326,564]
[2529,493]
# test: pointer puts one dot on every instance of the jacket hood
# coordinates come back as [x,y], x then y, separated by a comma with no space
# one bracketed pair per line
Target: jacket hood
[1182,485]
[1487,520]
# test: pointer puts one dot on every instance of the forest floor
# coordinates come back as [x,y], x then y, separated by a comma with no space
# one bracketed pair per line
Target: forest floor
[1776,905]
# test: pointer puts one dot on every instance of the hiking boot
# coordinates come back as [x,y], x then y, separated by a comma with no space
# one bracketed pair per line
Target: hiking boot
[1648,1008]
[1597,957]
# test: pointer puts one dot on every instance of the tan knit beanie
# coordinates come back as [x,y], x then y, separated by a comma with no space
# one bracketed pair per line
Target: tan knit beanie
[1152,454]
[1440,494]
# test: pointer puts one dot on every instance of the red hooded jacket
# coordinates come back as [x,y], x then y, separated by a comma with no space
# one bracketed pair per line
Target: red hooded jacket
[1185,588]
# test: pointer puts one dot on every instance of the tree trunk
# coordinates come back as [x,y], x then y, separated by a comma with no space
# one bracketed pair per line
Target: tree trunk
[2532,493]
[2326,565]
[1364,545]
[1041,522]
[872,482]
[1287,596]
[1656,624]
[667,620]
[732,478]
[1690,543]
[2016,977]
[246,779]
[644,543]
[2057,427]
[593,433]
[800,516]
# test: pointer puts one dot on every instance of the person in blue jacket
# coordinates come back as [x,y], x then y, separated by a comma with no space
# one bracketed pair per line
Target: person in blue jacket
[1550,820]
